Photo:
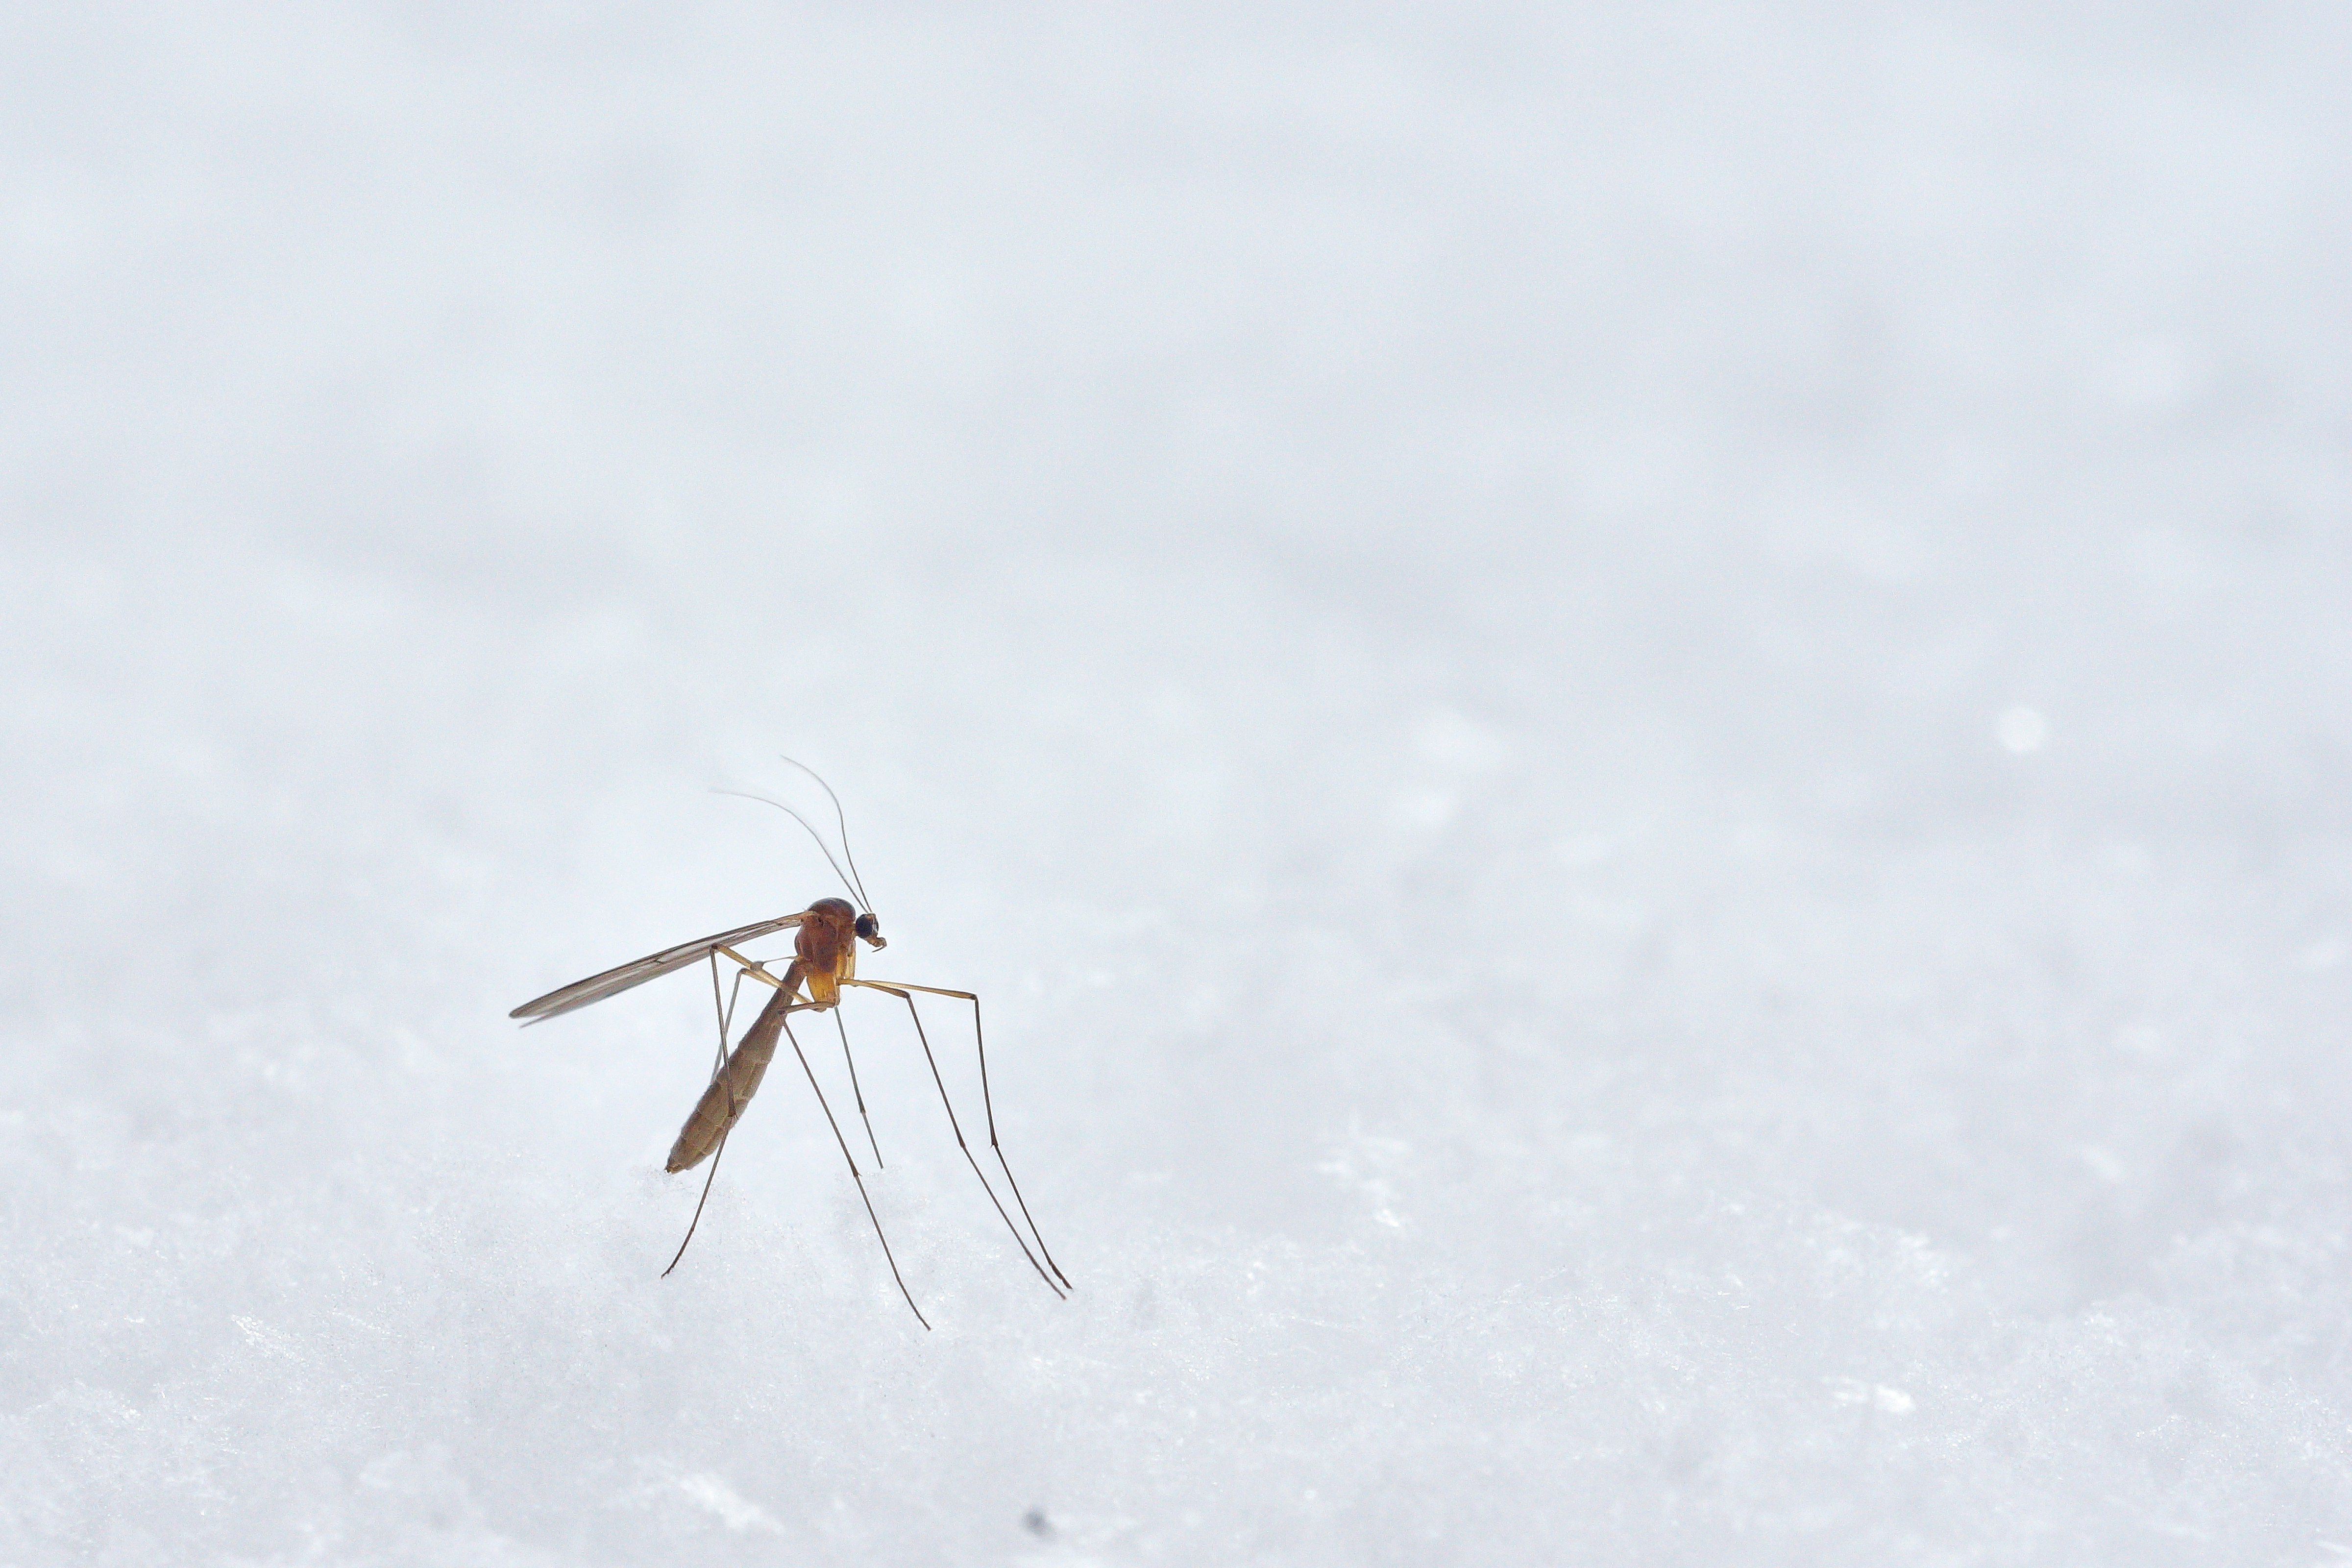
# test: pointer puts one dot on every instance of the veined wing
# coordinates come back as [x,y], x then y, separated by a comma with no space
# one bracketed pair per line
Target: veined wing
[612,982]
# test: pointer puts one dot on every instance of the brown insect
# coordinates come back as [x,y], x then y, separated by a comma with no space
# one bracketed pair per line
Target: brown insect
[825,960]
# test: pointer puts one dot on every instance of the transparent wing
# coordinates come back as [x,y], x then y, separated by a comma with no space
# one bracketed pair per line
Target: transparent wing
[612,982]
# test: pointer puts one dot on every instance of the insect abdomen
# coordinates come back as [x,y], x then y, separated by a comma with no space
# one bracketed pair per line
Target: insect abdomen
[722,1103]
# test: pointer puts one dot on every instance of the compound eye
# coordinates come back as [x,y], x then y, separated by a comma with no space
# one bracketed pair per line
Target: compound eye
[868,927]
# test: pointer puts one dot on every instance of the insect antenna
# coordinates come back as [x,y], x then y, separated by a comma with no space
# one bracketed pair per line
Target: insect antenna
[854,1176]
[813,833]
[841,819]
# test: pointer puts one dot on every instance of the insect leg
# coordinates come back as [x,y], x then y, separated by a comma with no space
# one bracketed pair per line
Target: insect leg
[980,1040]
[854,1090]
[965,1148]
[726,1017]
[853,1176]
[715,1155]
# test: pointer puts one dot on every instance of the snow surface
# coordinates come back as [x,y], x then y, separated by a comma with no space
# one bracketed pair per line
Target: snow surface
[1640,717]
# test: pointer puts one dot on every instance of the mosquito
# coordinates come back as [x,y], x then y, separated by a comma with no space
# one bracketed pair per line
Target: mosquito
[824,961]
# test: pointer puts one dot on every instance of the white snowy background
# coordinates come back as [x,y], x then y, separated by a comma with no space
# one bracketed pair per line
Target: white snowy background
[1640,717]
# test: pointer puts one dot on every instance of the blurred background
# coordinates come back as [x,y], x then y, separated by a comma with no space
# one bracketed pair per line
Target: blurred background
[1637,717]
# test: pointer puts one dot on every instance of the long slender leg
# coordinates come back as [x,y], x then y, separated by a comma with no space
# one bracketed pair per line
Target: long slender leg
[957,1127]
[726,1014]
[980,1040]
[715,1155]
[855,1177]
[725,1021]
[854,1090]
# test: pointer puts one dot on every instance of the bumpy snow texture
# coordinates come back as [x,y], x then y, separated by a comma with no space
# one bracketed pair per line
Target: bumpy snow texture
[1637,716]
